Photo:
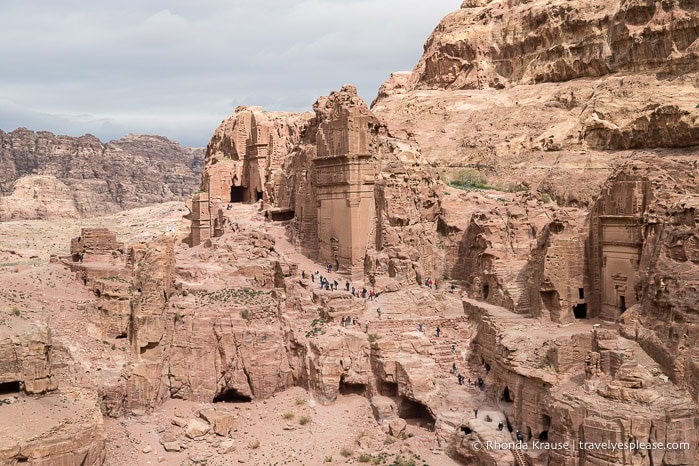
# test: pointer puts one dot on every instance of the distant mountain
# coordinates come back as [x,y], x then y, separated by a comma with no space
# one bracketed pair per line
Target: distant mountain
[45,175]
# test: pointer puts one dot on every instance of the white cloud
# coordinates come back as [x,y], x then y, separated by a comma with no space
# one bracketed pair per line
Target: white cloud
[178,67]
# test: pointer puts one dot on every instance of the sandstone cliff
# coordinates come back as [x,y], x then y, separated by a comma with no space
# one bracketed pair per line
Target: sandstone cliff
[45,175]
[544,91]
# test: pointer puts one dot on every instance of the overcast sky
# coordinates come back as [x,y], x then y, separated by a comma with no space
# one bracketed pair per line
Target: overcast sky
[179,67]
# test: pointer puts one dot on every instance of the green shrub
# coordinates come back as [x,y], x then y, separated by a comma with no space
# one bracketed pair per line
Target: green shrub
[303,420]
[346,452]
[403,461]
[288,415]
[245,314]
[468,178]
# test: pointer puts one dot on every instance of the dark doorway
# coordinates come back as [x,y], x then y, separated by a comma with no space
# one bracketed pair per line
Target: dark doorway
[622,303]
[546,424]
[486,290]
[282,215]
[388,389]
[466,430]
[556,228]
[580,311]
[581,293]
[237,194]
[9,388]
[231,395]
[121,335]
[507,396]
[258,195]
[351,388]
[487,368]
[416,413]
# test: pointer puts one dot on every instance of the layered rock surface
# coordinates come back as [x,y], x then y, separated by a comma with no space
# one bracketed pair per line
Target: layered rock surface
[46,176]
[541,92]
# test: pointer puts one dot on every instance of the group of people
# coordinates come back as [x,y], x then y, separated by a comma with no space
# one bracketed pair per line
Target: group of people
[430,283]
[349,320]
[459,377]
[421,328]
[326,284]
[353,321]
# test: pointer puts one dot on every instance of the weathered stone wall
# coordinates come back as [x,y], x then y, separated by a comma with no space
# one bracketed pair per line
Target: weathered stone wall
[25,355]
[665,321]
[66,436]
[615,244]
[617,373]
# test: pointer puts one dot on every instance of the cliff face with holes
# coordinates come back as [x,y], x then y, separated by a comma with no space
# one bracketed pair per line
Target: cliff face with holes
[546,91]
[43,175]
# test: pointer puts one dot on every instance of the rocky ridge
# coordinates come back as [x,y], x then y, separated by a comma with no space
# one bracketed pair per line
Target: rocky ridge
[544,91]
[45,175]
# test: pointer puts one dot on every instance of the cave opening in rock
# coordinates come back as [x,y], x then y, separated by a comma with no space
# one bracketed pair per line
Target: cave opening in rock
[556,228]
[622,304]
[10,388]
[486,290]
[121,335]
[98,293]
[466,430]
[258,195]
[388,389]
[415,413]
[546,424]
[237,194]
[281,215]
[487,367]
[21,459]
[347,388]
[581,293]
[231,395]
[580,311]
[507,396]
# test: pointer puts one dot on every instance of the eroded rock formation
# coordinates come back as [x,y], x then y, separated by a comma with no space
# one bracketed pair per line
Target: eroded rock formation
[543,92]
[554,300]
[50,176]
